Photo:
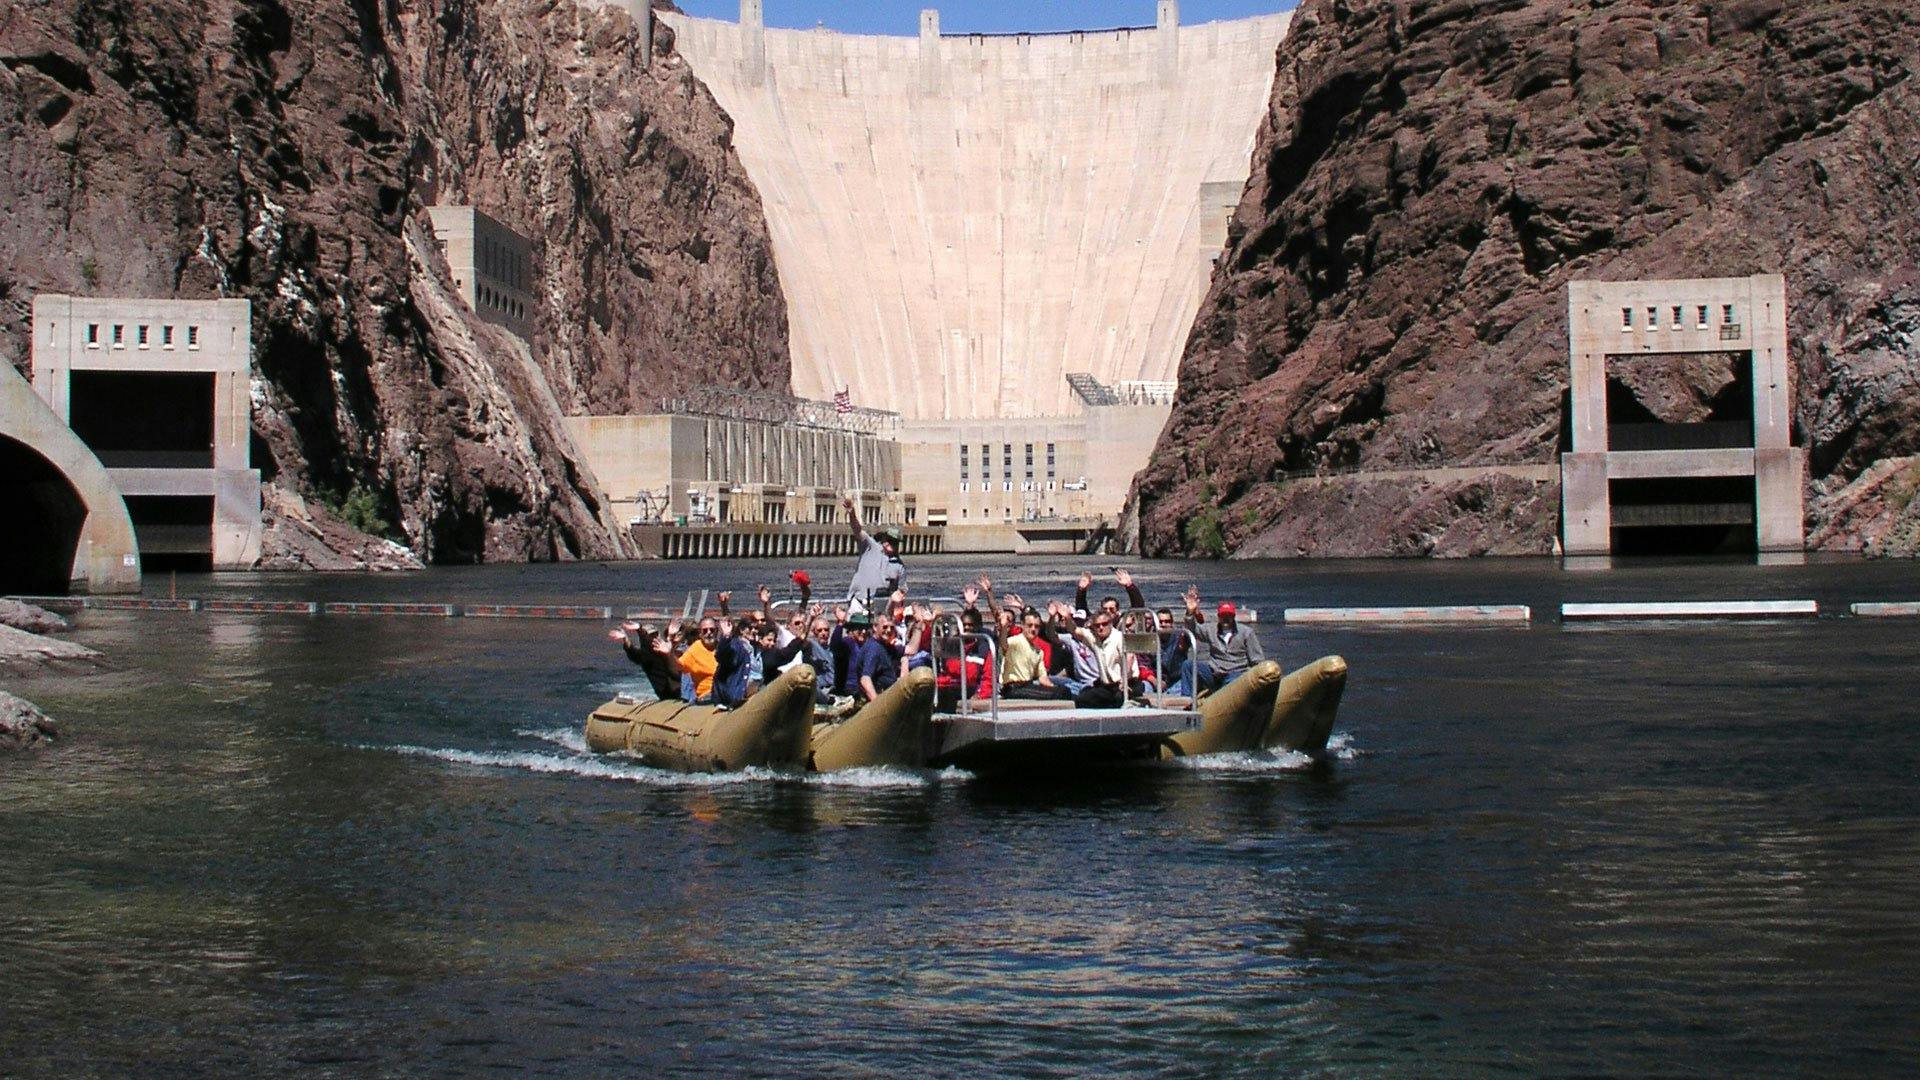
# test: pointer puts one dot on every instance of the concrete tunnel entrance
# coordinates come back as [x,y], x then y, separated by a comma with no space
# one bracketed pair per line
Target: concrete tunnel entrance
[37,551]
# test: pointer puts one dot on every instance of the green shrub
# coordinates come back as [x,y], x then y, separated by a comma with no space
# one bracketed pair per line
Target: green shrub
[360,509]
[1203,532]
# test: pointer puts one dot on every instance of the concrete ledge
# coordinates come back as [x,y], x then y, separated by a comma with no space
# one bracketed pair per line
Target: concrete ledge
[1694,609]
[444,611]
[535,611]
[139,603]
[1870,611]
[1481,613]
[262,607]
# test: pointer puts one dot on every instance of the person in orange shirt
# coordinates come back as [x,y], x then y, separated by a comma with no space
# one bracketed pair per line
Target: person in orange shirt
[698,664]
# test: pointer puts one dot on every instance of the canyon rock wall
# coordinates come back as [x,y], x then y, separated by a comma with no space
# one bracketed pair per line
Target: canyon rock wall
[1392,307]
[285,150]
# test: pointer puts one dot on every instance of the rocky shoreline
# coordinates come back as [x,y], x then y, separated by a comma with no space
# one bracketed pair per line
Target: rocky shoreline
[25,648]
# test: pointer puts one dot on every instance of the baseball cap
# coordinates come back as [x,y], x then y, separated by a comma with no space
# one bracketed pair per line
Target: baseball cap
[1079,614]
[890,533]
[1226,611]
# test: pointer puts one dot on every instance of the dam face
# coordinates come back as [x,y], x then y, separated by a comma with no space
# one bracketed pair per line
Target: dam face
[961,221]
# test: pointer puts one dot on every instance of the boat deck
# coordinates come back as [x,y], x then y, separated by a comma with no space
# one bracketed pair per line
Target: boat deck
[1037,732]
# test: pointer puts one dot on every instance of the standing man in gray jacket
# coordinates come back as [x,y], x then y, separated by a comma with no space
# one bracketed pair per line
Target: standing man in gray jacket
[1227,649]
[880,572]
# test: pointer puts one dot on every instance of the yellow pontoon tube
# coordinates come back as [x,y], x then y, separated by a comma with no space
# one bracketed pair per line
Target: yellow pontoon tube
[893,729]
[1233,718]
[770,730]
[1304,709]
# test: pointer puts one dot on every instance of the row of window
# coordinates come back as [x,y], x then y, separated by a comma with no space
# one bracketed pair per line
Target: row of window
[1007,485]
[1679,312]
[143,336]
[1006,463]
[501,302]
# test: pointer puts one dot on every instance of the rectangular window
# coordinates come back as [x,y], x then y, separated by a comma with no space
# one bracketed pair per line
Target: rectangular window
[119,336]
[1726,314]
[1703,316]
[193,337]
[1626,318]
[140,335]
[93,335]
[963,487]
[1676,316]
[166,336]
[1653,319]
[1029,455]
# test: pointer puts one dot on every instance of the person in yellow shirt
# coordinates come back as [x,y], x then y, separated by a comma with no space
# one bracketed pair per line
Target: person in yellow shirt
[1025,670]
[699,663]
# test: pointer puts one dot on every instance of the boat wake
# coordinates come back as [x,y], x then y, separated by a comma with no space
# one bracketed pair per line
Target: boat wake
[572,758]
[1339,748]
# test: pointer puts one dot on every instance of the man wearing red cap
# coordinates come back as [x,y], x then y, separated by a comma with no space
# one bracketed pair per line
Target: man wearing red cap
[1227,650]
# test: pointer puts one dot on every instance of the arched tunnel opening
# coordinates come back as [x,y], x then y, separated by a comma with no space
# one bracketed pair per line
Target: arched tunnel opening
[46,515]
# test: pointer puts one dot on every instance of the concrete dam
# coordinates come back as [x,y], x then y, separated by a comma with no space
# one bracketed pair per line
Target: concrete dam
[961,221]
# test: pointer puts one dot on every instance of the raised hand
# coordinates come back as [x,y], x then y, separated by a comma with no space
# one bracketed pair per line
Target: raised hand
[726,627]
[971,595]
[617,635]
[630,626]
[723,598]
[815,610]
[840,614]
[899,597]
[1124,577]
[1192,597]
[766,596]
[1086,581]
[660,646]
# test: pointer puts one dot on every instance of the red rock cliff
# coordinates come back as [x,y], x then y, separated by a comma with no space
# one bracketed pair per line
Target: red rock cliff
[284,150]
[1392,305]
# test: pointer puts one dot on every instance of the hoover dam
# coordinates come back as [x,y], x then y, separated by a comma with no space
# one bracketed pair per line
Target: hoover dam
[959,221]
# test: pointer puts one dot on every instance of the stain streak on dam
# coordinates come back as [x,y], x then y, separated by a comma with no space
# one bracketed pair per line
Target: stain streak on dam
[959,221]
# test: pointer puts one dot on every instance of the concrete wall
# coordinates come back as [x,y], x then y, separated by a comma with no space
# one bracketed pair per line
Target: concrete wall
[959,221]
[154,335]
[106,558]
[492,266]
[1711,315]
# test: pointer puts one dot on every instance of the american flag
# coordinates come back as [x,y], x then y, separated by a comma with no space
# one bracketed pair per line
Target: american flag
[843,401]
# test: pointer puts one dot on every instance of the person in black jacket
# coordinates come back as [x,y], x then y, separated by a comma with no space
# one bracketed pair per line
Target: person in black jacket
[654,654]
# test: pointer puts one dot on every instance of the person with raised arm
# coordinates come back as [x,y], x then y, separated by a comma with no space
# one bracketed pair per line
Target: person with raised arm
[1226,650]
[654,653]
[879,571]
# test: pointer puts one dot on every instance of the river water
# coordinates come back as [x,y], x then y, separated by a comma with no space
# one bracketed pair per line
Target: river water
[365,846]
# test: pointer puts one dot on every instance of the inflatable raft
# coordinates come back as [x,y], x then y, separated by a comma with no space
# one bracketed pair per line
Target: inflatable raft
[773,729]
[1264,710]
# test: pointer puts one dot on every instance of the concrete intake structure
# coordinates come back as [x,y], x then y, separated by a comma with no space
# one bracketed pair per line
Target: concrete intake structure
[68,522]
[1743,474]
[960,221]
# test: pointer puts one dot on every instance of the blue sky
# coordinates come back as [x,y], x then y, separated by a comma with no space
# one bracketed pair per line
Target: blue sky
[902,17]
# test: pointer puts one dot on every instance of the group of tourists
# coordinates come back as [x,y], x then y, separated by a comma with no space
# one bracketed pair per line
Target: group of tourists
[859,645]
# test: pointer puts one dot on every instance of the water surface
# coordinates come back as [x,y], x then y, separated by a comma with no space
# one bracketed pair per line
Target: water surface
[366,846]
